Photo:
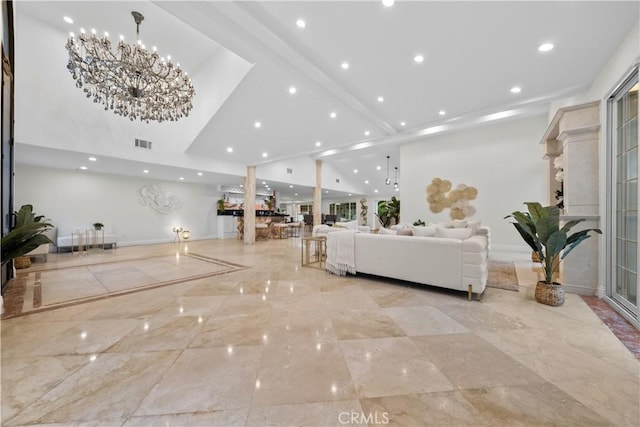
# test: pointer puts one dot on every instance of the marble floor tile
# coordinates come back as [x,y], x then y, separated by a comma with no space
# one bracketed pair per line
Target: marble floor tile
[357,324]
[469,362]
[533,405]
[391,366]
[349,298]
[216,418]
[335,413]
[25,379]
[110,387]
[300,328]
[234,330]
[204,380]
[160,333]
[302,374]
[424,321]
[445,408]
[63,338]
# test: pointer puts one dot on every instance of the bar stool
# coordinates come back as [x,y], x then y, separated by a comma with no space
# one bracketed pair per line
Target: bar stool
[281,230]
[262,231]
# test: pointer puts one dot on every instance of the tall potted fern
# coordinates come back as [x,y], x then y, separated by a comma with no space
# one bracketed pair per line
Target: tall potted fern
[540,229]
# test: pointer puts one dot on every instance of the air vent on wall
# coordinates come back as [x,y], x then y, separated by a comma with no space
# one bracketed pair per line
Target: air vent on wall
[338,180]
[141,143]
[289,170]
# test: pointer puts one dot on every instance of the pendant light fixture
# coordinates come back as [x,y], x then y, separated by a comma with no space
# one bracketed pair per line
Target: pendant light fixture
[387,181]
[395,181]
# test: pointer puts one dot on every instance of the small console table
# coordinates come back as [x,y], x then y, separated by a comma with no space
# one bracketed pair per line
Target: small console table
[320,250]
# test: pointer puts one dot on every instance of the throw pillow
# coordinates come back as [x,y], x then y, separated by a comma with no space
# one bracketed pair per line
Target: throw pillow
[424,231]
[454,233]
[473,225]
[459,223]
[404,232]
[386,231]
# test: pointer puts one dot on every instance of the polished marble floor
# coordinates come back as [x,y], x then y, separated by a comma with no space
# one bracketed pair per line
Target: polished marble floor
[279,344]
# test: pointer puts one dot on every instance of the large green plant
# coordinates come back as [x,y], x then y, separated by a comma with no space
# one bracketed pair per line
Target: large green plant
[26,235]
[540,229]
[389,210]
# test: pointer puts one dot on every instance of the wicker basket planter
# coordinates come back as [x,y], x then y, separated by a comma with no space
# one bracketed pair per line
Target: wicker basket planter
[22,262]
[550,294]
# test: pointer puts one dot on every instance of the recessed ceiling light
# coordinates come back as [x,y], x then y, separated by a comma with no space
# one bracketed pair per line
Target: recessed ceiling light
[318,143]
[145,171]
[68,19]
[375,191]
[84,168]
[516,89]
[301,23]
[388,3]
[345,65]
[397,189]
[326,191]
[264,182]
[355,171]
[378,167]
[182,178]
[295,194]
[257,125]
[349,194]
[265,155]
[419,59]
[545,47]
[199,173]
[241,185]
[403,124]
[229,149]
[333,115]
[367,133]
[93,159]
[442,112]
[381,99]
[290,186]
[292,90]
[366,181]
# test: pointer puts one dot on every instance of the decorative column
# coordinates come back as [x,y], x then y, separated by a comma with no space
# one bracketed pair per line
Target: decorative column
[317,195]
[250,206]
[574,133]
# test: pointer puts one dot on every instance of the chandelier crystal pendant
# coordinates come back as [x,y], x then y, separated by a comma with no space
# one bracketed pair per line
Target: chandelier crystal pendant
[131,81]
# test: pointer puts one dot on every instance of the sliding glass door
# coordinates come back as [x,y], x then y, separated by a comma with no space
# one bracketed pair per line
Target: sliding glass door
[623,202]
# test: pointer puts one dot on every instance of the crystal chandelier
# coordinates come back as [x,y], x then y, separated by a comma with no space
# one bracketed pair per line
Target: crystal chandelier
[132,82]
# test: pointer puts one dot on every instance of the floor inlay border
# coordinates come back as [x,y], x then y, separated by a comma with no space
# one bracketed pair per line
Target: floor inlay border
[22,299]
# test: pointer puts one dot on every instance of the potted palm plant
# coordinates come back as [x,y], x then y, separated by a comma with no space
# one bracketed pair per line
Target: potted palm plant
[25,236]
[540,229]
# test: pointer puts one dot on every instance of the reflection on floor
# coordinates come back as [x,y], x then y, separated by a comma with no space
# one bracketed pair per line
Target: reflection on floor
[278,344]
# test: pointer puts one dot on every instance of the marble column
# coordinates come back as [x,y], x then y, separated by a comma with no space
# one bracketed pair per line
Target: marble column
[317,195]
[576,130]
[250,206]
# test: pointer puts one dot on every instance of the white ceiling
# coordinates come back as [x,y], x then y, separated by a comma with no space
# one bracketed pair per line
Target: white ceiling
[474,53]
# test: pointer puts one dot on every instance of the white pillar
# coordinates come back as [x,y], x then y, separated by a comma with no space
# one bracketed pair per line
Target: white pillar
[317,195]
[250,206]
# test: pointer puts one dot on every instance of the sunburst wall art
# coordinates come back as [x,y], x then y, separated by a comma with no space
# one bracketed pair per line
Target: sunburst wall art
[440,196]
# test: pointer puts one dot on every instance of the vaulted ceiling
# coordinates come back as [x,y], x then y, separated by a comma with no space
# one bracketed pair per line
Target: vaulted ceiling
[356,59]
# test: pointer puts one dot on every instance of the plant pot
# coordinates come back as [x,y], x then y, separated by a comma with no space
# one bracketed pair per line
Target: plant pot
[550,294]
[22,262]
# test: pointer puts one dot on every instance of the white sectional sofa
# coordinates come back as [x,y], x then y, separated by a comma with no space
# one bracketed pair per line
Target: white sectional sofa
[437,261]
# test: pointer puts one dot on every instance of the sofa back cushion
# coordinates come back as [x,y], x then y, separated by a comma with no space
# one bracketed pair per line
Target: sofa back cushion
[454,233]
[386,231]
[424,231]
[404,232]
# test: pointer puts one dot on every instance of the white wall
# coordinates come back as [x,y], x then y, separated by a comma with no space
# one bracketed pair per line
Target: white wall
[75,200]
[502,160]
